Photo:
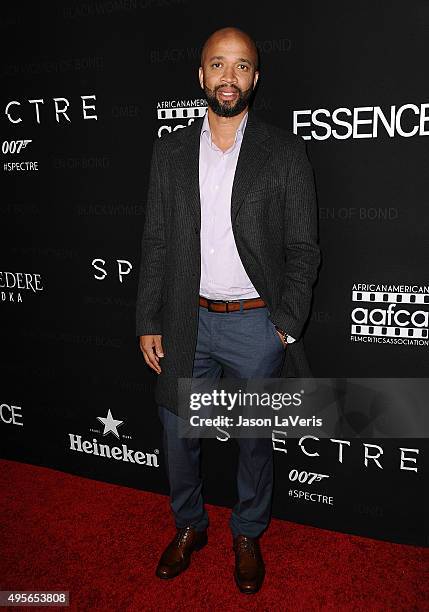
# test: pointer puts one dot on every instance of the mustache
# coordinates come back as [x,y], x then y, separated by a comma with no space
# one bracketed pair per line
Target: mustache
[220,87]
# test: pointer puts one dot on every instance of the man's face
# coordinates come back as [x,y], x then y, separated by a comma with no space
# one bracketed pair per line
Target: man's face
[228,75]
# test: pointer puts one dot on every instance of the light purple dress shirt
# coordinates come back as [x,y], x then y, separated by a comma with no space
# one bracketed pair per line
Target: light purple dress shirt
[223,276]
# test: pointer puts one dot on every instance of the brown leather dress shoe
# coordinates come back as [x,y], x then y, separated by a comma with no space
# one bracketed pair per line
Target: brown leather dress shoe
[249,565]
[177,556]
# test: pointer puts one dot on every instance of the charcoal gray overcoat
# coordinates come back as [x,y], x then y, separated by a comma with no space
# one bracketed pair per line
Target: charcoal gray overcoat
[274,221]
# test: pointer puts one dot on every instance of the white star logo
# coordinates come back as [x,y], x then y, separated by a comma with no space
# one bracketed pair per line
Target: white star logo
[110,424]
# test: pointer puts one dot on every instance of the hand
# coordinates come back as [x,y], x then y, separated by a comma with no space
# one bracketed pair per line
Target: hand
[281,338]
[151,347]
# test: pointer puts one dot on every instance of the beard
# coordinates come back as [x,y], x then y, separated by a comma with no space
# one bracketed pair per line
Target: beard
[225,108]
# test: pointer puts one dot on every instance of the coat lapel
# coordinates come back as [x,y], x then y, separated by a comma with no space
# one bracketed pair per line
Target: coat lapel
[186,159]
[253,154]
[252,157]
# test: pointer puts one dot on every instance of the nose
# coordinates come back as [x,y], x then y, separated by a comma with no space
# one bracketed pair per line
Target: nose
[228,75]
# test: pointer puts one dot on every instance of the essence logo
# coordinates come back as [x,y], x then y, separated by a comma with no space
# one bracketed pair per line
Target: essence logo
[119,453]
[11,415]
[184,110]
[390,314]
[362,122]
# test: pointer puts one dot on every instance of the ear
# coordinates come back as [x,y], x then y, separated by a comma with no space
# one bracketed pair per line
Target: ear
[201,76]
[255,78]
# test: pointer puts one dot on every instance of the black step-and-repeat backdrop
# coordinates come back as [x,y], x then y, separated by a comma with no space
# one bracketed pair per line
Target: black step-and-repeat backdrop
[86,88]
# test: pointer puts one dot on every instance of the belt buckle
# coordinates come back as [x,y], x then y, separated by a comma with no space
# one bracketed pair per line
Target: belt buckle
[229,302]
[209,302]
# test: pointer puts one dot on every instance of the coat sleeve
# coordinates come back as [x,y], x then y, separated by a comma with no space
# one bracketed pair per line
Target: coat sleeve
[153,249]
[300,241]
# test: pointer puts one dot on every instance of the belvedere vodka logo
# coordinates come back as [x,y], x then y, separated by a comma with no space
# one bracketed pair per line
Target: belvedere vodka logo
[177,114]
[109,427]
[390,314]
[14,285]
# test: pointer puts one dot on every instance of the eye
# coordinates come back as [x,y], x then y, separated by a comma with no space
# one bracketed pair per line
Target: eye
[215,64]
[245,66]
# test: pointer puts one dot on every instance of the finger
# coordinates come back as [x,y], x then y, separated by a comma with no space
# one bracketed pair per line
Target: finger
[149,348]
[158,348]
[149,357]
[153,367]
[281,338]
[155,344]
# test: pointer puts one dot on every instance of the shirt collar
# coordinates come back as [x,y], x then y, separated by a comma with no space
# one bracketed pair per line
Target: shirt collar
[205,129]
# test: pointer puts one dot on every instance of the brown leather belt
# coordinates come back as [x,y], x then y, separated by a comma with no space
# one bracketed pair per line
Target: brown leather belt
[219,306]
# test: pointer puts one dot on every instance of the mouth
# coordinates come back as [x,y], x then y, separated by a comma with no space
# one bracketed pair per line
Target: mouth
[228,94]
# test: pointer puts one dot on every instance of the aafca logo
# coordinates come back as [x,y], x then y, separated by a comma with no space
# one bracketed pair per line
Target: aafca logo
[390,314]
[119,453]
[177,114]
[14,284]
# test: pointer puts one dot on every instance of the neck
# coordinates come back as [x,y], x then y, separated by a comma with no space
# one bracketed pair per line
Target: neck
[223,129]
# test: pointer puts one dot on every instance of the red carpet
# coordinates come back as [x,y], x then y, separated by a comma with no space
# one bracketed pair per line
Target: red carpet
[101,542]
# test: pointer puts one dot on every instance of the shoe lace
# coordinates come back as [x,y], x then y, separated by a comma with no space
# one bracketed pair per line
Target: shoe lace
[248,545]
[181,535]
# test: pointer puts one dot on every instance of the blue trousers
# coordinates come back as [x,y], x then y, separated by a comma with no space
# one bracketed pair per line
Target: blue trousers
[239,344]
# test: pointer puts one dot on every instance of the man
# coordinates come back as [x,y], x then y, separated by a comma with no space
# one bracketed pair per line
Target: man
[229,258]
